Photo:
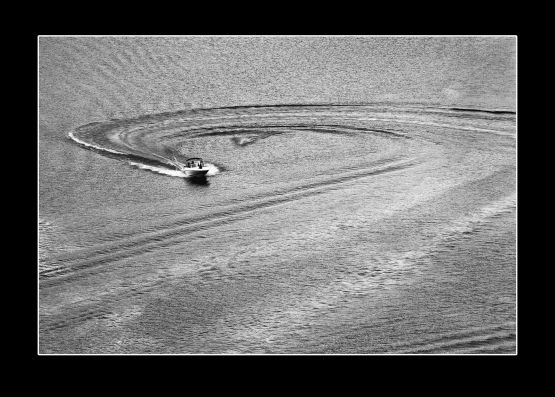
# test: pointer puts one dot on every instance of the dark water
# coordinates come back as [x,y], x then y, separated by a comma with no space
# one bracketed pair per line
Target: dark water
[360,199]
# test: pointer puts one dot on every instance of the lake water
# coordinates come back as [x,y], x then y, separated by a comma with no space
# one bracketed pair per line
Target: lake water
[361,195]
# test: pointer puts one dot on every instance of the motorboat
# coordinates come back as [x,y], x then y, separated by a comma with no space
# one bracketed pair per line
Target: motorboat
[193,167]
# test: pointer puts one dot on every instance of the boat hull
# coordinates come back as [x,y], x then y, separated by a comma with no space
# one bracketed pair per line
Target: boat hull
[192,172]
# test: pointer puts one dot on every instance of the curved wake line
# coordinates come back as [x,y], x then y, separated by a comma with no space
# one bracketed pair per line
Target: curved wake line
[197,121]
[163,169]
[90,145]
[167,235]
[158,170]
[162,235]
[402,105]
[491,111]
[96,261]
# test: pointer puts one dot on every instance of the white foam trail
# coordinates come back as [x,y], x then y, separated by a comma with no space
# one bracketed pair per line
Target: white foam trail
[159,170]
[72,136]
[212,169]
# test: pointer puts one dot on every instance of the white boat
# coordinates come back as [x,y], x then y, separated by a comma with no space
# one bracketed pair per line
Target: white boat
[193,167]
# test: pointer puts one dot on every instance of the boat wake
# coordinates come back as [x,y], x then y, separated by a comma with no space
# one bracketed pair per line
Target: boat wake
[162,166]
[212,169]
[365,198]
[151,142]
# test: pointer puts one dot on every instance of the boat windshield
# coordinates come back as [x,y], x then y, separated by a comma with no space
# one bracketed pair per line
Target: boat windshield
[194,162]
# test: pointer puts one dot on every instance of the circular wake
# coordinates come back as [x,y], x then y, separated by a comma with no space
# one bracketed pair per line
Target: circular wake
[258,136]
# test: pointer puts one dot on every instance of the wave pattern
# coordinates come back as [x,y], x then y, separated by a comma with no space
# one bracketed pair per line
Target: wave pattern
[154,139]
[413,178]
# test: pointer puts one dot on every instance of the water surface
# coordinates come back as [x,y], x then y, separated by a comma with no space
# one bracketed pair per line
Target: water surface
[361,195]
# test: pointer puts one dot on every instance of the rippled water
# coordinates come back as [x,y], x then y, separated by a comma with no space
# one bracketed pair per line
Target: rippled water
[338,215]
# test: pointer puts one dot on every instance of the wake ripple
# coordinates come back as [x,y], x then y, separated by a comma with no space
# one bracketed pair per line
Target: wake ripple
[150,142]
[166,235]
